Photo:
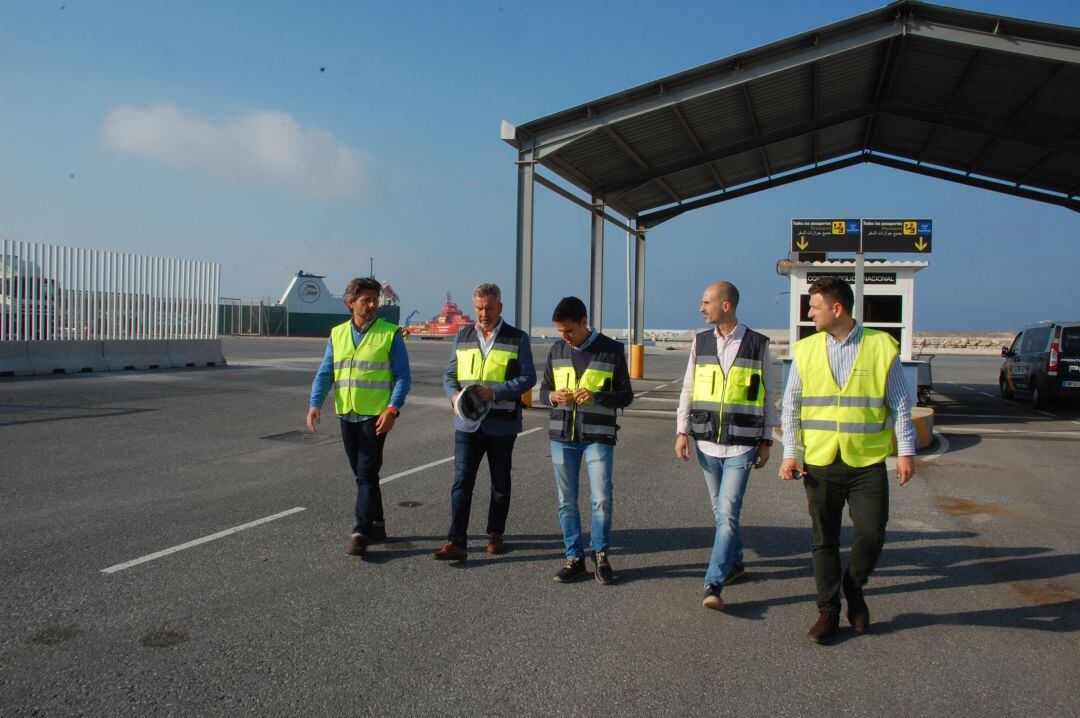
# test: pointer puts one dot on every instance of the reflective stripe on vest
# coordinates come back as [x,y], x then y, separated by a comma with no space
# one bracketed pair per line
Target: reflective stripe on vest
[582,422]
[362,376]
[729,409]
[854,420]
[474,368]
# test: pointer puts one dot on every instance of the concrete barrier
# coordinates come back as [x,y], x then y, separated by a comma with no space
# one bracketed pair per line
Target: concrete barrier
[123,354]
[62,357]
[13,359]
[196,352]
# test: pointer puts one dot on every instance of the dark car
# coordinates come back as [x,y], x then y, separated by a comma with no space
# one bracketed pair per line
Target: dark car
[1043,362]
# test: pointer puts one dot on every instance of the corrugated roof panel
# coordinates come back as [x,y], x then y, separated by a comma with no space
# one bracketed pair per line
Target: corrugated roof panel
[1060,97]
[600,158]
[1058,173]
[847,80]
[929,72]
[999,85]
[782,99]
[647,197]
[719,119]
[841,139]
[953,148]
[899,136]
[743,167]
[692,182]
[657,137]
[791,154]
[1006,160]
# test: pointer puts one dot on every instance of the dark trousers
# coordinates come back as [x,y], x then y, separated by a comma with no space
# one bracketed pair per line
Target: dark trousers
[866,492]
[469,449]
[365,452]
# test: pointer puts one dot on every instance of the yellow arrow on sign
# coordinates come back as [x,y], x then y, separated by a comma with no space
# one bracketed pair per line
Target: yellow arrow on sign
[802,243]
[921,244]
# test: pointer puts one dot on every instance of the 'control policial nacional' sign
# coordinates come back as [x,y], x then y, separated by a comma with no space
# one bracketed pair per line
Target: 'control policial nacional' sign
[825,235]
[897,235]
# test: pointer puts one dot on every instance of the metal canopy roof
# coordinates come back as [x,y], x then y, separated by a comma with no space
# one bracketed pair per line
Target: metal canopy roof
[988,101]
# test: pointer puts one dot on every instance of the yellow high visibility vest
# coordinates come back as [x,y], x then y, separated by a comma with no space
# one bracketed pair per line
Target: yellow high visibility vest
[500,365]
[854,419]
[729,409]
[586,422]
[362,376]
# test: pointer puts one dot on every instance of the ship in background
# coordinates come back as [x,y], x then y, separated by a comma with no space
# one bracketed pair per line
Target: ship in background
[444,324]
[306,309]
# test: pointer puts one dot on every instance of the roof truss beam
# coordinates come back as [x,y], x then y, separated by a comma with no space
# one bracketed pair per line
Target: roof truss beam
[999,42]
[769,138]
[991,130]
[559,137]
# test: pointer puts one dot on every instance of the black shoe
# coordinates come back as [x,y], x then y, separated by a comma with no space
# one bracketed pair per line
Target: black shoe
[377,534]
[858,615]
[603,572]
[712,598]
[824,629]
[574,568]
[738,573]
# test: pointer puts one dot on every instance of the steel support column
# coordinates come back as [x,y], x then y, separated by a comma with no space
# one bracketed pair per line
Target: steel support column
[523,290]
[596,266]
[637,350]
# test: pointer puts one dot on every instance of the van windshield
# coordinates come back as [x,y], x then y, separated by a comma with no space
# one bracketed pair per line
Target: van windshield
[1070,341]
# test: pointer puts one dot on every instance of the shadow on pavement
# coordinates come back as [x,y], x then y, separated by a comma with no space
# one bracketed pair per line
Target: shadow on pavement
[1060,617]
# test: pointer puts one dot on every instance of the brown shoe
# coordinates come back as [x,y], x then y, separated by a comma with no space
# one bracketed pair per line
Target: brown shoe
[496,545]
[825,627]
[451,552]
[358,545]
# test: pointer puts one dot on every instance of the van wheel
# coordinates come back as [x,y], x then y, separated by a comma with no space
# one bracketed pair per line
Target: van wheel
[1003,385]
[1038,397]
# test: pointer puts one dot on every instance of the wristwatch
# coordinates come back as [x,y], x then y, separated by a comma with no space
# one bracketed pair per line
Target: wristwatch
[394,410]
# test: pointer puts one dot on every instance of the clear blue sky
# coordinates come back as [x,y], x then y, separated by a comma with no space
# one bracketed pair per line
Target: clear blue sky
[272,137]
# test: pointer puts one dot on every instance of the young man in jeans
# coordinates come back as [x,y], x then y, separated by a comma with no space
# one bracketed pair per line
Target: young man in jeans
[586,382]
[726,406]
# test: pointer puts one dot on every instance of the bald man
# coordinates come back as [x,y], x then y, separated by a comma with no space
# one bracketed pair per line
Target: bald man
[726,407]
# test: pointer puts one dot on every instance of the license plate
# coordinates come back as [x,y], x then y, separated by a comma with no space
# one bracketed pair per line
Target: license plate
[1070,385]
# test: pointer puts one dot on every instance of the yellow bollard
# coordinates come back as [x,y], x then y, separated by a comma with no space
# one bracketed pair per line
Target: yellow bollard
[637,361]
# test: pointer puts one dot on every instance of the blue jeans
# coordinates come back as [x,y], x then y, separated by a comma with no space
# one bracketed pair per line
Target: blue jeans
[726,480]
[599,461]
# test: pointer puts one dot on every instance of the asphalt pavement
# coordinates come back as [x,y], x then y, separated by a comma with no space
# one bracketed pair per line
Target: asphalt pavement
[174,543]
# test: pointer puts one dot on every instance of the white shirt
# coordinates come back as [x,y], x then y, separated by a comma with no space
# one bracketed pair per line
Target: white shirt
[486,344]
[727,347]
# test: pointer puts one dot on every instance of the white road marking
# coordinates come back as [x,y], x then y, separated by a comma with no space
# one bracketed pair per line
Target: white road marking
[943,448]
[989,395]
[447,460]
[651,412]
[196,542]
[965,387]
[655,388]
[985,416]
[659,398]
[1041,434]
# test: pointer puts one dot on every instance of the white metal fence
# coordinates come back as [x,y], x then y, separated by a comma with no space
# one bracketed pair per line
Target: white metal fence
[49,292]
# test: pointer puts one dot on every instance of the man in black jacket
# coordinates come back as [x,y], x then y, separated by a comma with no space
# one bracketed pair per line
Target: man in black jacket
[586,382]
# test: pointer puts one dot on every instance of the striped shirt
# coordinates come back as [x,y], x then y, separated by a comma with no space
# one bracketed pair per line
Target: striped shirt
[727,348]
[841,359]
